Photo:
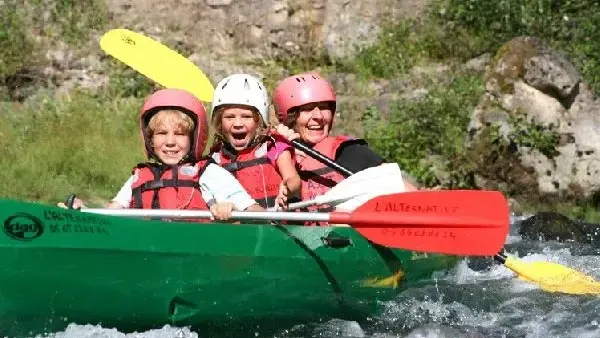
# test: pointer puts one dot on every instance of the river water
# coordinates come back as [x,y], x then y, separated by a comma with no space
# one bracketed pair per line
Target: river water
[478,299]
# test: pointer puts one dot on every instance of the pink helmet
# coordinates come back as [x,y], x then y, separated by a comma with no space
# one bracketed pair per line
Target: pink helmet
[180,100]
[297,90]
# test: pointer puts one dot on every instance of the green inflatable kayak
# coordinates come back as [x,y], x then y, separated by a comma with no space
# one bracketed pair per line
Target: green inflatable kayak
[61,266]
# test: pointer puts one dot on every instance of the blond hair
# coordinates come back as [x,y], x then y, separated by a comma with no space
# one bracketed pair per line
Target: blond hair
[177,118]
[217,124]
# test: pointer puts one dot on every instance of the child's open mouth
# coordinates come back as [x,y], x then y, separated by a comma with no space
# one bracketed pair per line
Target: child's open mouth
[239,139]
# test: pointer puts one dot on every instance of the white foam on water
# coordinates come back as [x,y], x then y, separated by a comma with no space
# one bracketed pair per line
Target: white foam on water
[562,320]
[495,303]
[462,274]
[331,328]
[511,239]
[436,331]
[97,331]
[340,328]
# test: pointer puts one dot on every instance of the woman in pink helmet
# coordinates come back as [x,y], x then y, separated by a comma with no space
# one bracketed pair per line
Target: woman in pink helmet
[174,131]
[306,103]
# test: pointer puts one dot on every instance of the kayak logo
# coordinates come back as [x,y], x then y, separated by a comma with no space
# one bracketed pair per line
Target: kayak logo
[23,227]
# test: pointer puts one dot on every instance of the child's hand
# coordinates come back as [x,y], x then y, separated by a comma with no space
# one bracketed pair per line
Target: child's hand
[286,132]
[282,196]
[77,204]
[222,211]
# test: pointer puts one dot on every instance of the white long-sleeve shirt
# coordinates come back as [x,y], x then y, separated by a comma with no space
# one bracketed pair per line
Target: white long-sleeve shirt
[216,184]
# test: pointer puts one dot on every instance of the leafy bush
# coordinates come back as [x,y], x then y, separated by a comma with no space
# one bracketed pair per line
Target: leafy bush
[435,126]
[25,28]
[462,29]
[124,81]
[535,135]
[572,26]
[16,46]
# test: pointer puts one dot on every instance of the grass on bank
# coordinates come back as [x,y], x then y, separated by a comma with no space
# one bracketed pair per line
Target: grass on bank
[85,145]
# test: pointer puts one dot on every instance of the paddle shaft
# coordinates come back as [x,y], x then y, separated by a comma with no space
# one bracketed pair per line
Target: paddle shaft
[460,222]
[356,218]
[321,158]
[201,214]
[308,203]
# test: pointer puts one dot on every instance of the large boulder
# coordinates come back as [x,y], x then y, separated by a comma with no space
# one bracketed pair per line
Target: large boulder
[548,118]
[549,225]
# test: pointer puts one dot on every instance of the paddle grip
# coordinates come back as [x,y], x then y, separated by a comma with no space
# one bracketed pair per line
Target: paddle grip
[500,258]
[338,217]
[321,158]
[70,200]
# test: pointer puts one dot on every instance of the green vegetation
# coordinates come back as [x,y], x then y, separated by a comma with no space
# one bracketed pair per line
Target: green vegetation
[535,135]
[433,126]
[86,144]
[462,29]
[426,136]
[26,29]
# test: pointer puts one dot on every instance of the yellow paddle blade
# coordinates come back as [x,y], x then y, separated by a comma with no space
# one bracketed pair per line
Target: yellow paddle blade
[157,62]
[392,281]
[553,277]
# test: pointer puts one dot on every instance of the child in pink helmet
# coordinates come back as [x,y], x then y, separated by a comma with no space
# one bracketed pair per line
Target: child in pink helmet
[174,130]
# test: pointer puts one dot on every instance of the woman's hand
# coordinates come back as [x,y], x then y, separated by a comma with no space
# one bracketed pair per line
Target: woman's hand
[286,132]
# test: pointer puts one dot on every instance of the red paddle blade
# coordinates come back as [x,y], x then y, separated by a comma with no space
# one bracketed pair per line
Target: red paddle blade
[457,222]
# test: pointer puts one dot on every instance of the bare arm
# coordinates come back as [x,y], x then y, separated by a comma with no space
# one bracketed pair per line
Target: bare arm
[255,207]
[114,205]
[288,172]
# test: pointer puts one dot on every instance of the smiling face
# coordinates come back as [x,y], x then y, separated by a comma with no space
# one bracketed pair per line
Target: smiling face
[239,125]
[314,121]
[170,135]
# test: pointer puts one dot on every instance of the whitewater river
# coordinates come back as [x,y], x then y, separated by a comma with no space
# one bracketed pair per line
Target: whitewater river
[478,299]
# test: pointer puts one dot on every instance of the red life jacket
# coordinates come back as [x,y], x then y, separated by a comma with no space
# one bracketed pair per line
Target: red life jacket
[253,170]
[163,187]
[317,178]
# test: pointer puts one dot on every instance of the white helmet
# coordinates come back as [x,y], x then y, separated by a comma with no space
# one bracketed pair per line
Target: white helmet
[242,89]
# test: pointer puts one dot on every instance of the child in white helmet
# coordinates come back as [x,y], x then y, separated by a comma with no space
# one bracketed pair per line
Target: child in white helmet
[264,166]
